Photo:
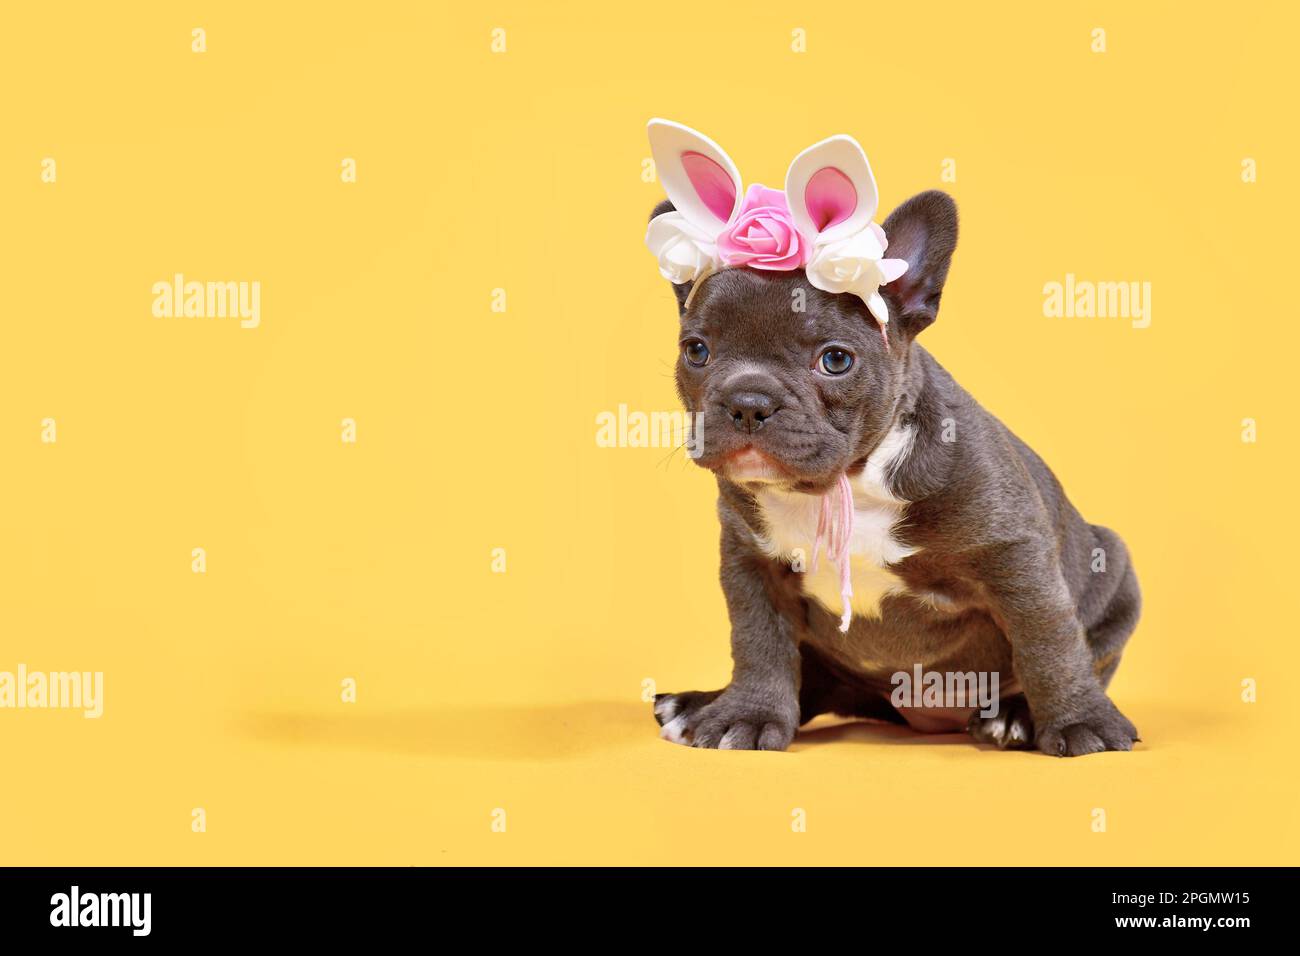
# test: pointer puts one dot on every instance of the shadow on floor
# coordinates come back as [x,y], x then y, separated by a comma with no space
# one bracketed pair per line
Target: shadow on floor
[540,732]
[824,731]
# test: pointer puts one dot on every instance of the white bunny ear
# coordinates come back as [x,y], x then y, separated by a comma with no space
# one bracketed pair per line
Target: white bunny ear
[831,191]
[699,178]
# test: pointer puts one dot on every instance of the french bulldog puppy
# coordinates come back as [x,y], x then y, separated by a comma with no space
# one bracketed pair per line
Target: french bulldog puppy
[966,554]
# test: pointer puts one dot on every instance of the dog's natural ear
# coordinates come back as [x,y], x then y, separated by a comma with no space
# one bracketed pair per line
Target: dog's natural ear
[684,289]
[923,231]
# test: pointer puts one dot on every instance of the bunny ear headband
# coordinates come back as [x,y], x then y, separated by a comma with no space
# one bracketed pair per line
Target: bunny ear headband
[821,223]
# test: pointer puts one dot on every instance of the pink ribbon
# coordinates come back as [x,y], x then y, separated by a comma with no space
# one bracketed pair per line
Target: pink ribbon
[837,534]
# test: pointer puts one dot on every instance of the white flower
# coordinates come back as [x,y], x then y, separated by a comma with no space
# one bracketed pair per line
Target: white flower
[683,250]
[856,264]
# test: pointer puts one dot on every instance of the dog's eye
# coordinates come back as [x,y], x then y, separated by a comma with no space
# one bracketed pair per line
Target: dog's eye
[836,361]
[696,352]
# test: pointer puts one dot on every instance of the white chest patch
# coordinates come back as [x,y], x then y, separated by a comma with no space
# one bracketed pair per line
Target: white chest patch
[791,520]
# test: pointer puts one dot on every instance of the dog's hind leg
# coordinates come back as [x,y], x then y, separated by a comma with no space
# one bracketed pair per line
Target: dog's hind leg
[823,691]
[1112,602]
[1116,616]
[673,711]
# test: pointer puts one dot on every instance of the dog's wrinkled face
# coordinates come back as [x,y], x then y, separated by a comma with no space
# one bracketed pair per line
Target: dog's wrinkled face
[790,385]
[793,385]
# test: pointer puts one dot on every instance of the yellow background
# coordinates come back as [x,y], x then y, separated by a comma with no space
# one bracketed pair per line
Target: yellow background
[476,429]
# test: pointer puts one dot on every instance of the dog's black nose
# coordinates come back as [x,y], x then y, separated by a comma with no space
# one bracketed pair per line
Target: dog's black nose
[749,410]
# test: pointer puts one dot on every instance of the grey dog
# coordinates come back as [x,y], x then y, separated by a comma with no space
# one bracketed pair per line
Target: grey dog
[968,555]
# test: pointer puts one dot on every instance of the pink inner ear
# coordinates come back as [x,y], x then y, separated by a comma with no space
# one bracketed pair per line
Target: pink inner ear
[829,197]
[712,183]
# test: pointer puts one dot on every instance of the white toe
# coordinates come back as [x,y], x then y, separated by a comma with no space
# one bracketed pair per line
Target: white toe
[996,727]
[674,730]
[728,741]
[666,709]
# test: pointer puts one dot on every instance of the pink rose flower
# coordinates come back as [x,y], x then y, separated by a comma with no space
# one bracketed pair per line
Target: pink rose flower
[763,236]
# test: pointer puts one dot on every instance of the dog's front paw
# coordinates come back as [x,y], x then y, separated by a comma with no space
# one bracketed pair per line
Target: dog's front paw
[726,720]
[1097,727]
